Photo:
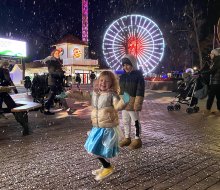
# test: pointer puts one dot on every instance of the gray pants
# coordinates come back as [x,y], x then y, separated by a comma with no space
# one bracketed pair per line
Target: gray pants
[131,118]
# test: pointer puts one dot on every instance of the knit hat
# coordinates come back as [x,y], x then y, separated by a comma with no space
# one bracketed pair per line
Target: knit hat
[216,52]
[130,60]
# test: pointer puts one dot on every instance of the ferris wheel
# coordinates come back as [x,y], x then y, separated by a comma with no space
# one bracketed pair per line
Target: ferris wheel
[137,35]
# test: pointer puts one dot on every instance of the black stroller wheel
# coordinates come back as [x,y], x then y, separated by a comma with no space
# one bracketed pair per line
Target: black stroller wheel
[170,108]
[177,107]
[196,109]
[189,110]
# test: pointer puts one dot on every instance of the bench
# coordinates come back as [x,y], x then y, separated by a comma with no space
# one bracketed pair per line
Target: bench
[21,113]
[6,88]
[25,106]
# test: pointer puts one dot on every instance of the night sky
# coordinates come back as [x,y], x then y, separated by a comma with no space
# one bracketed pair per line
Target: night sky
[42,22]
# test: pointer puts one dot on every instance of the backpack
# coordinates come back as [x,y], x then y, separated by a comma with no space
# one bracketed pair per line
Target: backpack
[27,82]
[39,88]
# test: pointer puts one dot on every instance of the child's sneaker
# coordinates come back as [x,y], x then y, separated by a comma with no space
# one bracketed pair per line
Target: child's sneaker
[97,172]
[104,173]
[70,111]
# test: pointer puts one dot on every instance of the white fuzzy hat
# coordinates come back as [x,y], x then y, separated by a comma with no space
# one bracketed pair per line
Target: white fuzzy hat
[216,52]
[131,60]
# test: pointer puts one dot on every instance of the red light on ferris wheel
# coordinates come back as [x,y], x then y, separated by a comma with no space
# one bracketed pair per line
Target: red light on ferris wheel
[135,46]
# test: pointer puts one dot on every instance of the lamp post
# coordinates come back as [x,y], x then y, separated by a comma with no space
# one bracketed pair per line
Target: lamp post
[23,69]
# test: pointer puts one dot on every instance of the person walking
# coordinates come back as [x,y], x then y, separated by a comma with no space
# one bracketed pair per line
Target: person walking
[132,82]
[55,78]
[214,87]
[92,77]
[78,80]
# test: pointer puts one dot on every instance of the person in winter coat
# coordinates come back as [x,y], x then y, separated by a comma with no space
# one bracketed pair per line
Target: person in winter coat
[103,138]
[55,78]
[214,88]
[132,82]
[78,80]
[5,80]
[92,77]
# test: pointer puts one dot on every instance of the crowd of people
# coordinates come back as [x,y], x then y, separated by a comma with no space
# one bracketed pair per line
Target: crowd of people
[108,97]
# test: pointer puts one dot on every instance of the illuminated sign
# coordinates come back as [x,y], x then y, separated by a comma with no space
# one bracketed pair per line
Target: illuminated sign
[77,53]
[12,48]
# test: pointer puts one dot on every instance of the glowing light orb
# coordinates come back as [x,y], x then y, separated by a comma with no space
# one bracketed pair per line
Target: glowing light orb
[137,35]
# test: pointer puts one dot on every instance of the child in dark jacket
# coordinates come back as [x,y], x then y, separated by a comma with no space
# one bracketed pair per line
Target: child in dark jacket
[132,82]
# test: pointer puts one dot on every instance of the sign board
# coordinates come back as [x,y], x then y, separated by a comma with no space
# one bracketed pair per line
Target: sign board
[12,48]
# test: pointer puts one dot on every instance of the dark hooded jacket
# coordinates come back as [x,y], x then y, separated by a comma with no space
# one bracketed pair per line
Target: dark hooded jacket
[133,83]
[215,71]
[5,79]
[56,74]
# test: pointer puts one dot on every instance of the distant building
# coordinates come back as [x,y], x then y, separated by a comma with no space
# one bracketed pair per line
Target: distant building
[75,57]
[31,69]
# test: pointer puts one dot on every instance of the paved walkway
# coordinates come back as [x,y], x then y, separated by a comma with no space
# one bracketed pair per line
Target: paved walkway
[180,151]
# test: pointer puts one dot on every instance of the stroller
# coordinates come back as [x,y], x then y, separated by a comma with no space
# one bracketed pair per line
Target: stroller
[188,94]
[40,89]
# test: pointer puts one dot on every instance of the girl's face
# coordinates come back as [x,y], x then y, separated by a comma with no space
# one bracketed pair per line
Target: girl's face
[105,83]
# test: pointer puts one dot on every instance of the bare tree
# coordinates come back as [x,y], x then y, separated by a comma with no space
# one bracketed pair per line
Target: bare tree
[195,21]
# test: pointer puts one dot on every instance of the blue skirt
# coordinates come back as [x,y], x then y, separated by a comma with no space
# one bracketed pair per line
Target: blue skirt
[103,142]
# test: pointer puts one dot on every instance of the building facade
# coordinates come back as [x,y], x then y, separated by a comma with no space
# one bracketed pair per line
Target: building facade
[75,57]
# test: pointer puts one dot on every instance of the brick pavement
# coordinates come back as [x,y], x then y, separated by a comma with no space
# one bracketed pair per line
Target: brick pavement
[180,151]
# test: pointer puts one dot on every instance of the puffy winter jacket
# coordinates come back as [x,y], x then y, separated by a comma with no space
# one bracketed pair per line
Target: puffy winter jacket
[105,106]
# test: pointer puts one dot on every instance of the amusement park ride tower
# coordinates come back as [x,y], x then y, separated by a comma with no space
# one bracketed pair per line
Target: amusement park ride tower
[85,21]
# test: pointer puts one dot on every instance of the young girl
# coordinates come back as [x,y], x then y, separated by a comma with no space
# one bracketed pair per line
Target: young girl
[103,139]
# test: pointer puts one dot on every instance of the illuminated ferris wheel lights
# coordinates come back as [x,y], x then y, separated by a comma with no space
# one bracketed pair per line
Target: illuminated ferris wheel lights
[140,36]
